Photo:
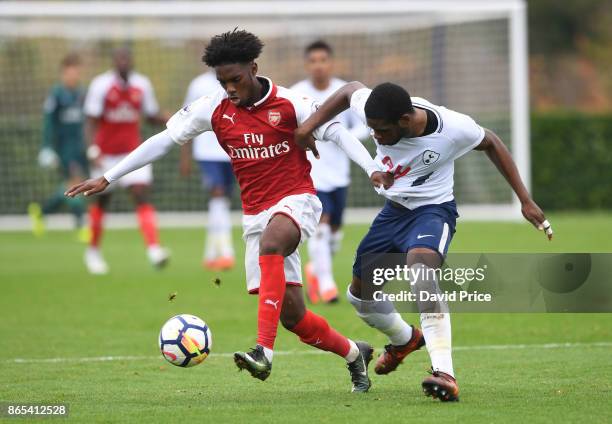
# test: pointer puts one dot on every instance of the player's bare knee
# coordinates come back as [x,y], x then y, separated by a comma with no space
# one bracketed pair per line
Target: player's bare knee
[423,255]
[217,191]
[325,218]
[139,194]
[281,237]
[270,246]
[355,287]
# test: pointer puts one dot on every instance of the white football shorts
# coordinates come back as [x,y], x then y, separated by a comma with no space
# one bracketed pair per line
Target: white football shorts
[304,210]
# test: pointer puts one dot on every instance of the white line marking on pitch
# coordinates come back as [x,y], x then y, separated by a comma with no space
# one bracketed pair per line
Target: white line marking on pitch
[300,352]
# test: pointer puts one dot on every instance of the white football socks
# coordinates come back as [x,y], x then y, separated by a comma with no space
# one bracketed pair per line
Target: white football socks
[437,332]
[268,353]
[382,316]
[319,249]
[210,251]
[219,237]
[435,321]
[353,352]
[336,241]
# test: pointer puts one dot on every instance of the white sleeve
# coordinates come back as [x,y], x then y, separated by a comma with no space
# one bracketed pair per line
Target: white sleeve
[359,130]
[150,107]
[94,100]
[466,135]
[358,101]
[306,106]
[149,151]
[353,148]
[192,120]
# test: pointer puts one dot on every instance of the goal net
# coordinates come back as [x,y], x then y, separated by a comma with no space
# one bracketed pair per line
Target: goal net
[467,55]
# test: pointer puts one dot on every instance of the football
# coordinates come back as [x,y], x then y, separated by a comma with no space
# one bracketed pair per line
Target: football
[185,340]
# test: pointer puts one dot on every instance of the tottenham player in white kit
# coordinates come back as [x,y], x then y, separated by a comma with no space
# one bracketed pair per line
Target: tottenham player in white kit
[418,143]
[330,174]
[217,178]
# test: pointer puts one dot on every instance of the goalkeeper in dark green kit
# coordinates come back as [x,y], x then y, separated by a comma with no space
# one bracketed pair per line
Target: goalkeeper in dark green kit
[63,145]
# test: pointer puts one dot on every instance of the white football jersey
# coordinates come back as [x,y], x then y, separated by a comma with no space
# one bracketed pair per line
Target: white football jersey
[332,170]
[205,146]
[424,166]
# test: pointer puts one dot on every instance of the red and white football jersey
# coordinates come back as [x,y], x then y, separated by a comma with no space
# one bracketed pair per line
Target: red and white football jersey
[119,105]
[259,141]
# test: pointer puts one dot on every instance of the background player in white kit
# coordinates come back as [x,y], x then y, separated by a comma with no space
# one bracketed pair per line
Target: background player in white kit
[217,177]
[330,174]
[418,142]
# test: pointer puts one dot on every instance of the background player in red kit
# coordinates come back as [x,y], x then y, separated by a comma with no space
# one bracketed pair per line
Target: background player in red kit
[115,103]
[254,121]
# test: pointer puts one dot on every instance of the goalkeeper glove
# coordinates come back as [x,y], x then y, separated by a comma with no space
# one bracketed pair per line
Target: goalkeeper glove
[47,158]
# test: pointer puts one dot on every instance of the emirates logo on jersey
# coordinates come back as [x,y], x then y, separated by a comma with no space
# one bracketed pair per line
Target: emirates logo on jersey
[123,112]
[274,117]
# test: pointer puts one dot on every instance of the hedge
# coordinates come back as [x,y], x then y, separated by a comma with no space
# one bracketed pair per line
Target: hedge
[571,160]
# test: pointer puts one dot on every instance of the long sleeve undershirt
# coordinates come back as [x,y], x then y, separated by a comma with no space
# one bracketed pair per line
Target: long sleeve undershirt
[160,144]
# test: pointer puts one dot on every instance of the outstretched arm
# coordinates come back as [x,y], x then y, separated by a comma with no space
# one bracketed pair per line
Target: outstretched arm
[498,154]
[187,123]
[353,148]
[335,104]
[149,151]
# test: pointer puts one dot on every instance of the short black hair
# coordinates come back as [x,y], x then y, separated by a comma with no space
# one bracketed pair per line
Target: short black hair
[319,45]
[388,101]
[237,46]
[71,59]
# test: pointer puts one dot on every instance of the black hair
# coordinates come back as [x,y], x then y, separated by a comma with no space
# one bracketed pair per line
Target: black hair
[122,50]
[71,59]
[319,45]
[388,101]
[237,46]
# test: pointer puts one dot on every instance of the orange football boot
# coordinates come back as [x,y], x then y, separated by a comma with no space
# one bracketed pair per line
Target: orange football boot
[440,385]
[225,263]
[210,264]
[390,359]
[312,284]
[330,296]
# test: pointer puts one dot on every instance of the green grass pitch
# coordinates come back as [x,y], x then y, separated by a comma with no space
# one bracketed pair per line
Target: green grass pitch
[555,367]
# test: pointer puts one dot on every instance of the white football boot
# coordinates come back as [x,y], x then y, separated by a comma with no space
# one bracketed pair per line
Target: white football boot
[94,261]
[158,256]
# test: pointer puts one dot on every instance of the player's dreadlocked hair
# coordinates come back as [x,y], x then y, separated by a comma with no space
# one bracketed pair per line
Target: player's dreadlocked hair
[237,46]
[388,101]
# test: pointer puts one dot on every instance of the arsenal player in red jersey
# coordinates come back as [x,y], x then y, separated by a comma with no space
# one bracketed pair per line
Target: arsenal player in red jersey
[115,102]
[254,121]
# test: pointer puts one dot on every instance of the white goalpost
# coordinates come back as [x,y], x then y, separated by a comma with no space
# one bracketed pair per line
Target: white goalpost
[470,56]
